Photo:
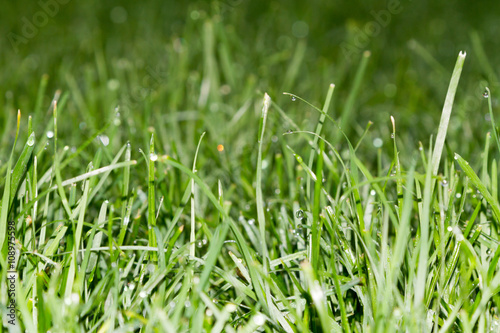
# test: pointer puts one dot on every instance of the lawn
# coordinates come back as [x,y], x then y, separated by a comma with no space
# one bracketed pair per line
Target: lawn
[249,166]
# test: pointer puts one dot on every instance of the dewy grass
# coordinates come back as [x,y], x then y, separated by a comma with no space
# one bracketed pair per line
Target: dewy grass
[303,232]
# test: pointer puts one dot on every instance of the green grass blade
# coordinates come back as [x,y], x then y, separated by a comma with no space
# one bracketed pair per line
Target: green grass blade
[446,113]
[151,198]
[261,218]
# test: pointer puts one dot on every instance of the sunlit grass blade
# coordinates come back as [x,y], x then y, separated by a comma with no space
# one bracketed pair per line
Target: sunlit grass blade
[261,218]
[347,112]
[446,113]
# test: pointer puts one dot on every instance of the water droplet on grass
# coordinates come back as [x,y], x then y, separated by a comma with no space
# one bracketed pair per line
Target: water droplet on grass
[50,134]
[299,214]
[259,319]
[104,140]
[444,183]
[31,140]
[294,98]
[486,95]
[377,142]
[153,157]
[230,307]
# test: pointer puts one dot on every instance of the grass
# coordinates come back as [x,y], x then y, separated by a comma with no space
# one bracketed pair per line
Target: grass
[223,204]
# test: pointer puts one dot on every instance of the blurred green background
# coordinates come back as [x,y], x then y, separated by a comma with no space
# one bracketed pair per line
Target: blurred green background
[151,58]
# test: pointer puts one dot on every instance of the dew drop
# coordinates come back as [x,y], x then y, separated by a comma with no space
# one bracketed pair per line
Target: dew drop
[199,244]
[294,99]
[259,319]
[153,157]
[31,140]
[230,307]
[378,142]
[104,140]
[50,134]
[299,214]
[486,95]
[373,192]
[392,136]
[143,294]
[444,183]
[251,221]
[449,228]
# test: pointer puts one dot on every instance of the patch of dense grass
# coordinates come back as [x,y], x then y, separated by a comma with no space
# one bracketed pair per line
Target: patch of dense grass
[162,189]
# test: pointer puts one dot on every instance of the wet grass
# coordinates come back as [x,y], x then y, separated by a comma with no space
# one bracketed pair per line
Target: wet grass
[144,205]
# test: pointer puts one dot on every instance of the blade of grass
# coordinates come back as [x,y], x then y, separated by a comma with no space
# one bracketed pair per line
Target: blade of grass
[318,130]
[492,119]
[151,198]
[261,218]
[192,237]
[347,112]
[479,185]
[446,113]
